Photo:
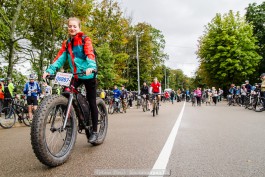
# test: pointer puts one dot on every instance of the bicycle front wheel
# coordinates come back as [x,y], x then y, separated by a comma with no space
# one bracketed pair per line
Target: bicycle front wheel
[52,144]
[25,116]
[259,106]
[8,118]
[110,108]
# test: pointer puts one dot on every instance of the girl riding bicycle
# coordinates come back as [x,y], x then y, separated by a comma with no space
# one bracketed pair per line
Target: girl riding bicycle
[79,53]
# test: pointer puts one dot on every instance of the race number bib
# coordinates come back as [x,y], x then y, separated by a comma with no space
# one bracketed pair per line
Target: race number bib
[63,79]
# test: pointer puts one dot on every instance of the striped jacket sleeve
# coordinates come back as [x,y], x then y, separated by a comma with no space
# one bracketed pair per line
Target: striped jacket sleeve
[59,60]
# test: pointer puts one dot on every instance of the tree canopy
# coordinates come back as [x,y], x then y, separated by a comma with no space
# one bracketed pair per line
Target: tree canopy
[227,51]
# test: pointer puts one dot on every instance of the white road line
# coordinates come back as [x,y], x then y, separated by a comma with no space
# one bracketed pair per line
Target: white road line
[162,160]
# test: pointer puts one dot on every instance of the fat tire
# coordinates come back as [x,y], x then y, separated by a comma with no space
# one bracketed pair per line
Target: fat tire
[38,141]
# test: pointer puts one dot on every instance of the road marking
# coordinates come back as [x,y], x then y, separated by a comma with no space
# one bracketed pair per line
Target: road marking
[162,160]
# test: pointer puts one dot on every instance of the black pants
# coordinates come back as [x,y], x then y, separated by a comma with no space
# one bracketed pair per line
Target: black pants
[262,94]
[198,100]
[243,97]
[215,99]
[130,102]
[91,96]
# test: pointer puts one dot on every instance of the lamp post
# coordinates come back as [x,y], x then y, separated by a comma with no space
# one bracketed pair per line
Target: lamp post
[165,78]
[137,57]
[168,81]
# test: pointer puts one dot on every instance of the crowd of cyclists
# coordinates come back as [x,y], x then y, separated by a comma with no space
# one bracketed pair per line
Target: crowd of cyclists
[248,96]
[245,95]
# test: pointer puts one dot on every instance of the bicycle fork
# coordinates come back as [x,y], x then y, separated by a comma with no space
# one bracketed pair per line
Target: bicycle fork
[69,104]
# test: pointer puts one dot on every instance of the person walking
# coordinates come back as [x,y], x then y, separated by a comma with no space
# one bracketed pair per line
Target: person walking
[198,94]
[214,95]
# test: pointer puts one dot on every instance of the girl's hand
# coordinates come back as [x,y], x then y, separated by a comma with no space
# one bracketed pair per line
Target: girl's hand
[45,75]
[89,71]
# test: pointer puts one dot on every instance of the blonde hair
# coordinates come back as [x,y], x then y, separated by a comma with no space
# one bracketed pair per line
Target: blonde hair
[75,19]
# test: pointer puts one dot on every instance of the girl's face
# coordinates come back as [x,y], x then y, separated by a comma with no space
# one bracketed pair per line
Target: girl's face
[73,27]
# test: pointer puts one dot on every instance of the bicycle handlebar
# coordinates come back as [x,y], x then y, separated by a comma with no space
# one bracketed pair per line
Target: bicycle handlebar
[52,76]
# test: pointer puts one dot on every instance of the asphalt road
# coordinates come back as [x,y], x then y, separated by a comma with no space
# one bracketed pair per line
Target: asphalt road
[211,141]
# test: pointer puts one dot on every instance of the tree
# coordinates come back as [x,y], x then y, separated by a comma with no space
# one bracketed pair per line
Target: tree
[227,50]
[14,23]
[256,16]
[47,29]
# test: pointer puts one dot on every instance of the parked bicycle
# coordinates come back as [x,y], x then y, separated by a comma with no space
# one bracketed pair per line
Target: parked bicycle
[53,141]
[12,113]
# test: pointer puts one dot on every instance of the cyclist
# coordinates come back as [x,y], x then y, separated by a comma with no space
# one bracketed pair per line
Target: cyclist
[188,95]
[79,53]
[124,97]
[102,94]
[116,95]
[166,96]
[155,87]
[8,90]
[262,93]
[32,89]
[145,91]
[248,86]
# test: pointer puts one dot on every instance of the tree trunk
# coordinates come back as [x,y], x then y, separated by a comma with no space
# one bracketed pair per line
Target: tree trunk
[12,39]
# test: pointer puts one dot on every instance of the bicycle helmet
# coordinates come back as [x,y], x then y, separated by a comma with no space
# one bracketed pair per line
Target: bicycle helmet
[262,75]
[31,76]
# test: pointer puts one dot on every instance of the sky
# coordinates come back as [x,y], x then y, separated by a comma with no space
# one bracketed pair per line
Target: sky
[181,22]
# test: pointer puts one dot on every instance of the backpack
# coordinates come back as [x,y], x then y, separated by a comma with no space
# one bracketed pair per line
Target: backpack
[2,96]
[7,93]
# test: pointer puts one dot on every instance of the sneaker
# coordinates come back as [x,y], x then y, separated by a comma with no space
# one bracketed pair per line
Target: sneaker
[262,109]
[93,137]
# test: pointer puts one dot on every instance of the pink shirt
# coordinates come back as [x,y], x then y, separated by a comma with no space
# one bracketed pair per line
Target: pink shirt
[198,93]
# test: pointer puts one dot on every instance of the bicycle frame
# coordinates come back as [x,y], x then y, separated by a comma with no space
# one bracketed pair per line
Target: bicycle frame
[71,93]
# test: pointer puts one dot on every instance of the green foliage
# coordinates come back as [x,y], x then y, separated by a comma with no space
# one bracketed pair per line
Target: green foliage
[17,77]
[42,26]
[227,51]
[256,16]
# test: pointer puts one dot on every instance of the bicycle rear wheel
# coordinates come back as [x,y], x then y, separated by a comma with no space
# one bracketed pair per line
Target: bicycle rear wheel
[144,105]
[8,118]
[110,109]
[157,109]
[154,109]
[102,123]
[52,144]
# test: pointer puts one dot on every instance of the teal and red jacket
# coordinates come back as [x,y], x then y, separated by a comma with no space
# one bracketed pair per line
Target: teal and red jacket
[79,53]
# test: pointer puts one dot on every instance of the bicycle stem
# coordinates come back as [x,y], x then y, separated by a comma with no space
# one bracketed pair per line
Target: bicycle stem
[70,100]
